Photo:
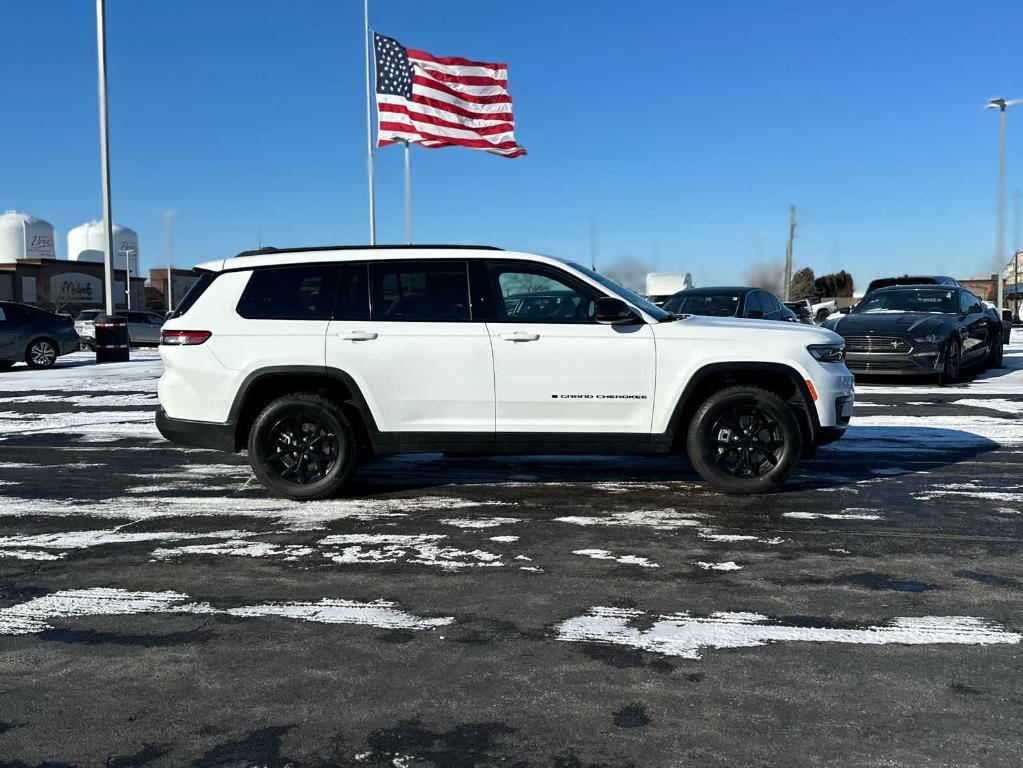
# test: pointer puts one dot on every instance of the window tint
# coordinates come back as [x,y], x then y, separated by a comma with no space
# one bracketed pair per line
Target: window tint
[771,302]
[134,317]
[3,316]
[529,293]
[709,304]
[353,293]
[419,291]
[197,289]
[753,304]
[967,301]
[303,292]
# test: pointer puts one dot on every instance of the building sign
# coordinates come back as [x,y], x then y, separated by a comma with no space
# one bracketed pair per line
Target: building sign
[39,246]
[75,288]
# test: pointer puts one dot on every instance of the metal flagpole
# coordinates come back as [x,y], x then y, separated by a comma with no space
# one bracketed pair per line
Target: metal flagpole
[408,193]
[104,139]
[168,249]
[369,132]
[1001,208]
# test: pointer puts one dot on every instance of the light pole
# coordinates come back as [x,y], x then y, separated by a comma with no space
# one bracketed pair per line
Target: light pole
[128,253]
[1000,105]
[104,154]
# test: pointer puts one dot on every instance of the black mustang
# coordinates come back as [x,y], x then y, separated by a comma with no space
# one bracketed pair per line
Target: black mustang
[907,330]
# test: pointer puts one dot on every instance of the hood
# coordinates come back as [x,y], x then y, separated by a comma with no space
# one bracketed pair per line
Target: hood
[889,323]
[742,329]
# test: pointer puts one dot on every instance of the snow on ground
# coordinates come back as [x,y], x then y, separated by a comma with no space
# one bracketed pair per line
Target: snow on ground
[37,614]
[683,635]
[79,373]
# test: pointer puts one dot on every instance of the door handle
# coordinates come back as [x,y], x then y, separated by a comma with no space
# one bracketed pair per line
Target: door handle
[520,336]
[358,336]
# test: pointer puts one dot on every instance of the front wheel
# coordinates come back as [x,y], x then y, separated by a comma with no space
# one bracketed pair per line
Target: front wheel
[996,353]
[744,440]
[302,447]
[952,367]
[41,354]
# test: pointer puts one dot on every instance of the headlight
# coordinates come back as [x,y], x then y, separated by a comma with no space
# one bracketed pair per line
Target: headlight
[827,353]
[930,338]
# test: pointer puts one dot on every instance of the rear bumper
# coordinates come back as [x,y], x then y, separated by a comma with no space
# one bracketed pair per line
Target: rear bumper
[197,434]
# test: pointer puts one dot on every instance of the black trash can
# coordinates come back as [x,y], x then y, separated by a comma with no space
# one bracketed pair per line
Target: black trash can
[111,339]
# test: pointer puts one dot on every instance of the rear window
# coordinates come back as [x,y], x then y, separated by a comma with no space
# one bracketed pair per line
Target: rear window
[88,314]
[192,295]
[303,292]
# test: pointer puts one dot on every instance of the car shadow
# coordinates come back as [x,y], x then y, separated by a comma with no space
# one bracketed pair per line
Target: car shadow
[865,453]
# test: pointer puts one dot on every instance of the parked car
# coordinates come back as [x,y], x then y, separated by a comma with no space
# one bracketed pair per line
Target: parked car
[314,358]
[34,335]
[925,329]
[801,309]
[888,282]
[143,326]
[752,303]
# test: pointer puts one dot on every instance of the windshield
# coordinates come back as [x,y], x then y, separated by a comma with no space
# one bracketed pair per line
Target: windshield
[635,299]
[89,314]
[710,304]
[933,300]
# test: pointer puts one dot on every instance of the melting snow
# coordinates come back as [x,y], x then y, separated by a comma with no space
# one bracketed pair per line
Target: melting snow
[725,566]
[603,554]
[680,634]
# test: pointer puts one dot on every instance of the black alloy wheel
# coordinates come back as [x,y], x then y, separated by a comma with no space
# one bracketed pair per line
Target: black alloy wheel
[744,439]
[952,367]
[41,354]
[301,446]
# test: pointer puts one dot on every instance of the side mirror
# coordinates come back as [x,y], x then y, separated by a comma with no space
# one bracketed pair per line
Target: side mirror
[611,311]
[755,314]
[976,309]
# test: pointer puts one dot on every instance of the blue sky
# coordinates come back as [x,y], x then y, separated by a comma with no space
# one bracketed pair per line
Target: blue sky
[683,129]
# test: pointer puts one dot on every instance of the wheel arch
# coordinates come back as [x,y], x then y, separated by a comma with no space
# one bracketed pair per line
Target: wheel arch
[264,385]
[779,378]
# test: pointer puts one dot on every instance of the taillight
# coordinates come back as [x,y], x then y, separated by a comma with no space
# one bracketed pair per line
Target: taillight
[184,338]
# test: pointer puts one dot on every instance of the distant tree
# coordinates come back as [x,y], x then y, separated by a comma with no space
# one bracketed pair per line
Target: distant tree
[835,285]
[802,285]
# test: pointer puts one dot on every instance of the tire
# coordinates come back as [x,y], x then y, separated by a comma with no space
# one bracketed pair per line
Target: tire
[996,353]
[730,418]
[41,353]
[951,370]
[325,464]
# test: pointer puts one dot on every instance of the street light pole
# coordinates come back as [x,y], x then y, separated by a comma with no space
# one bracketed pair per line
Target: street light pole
[168,250]
[1000,105]
[104,140]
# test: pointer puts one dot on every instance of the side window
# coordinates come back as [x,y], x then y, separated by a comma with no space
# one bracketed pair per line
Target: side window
[534,293]
[304,292]
[419,291]
[753,305]
[966,302]
[3,317]
[774,305]
[155,319]
[353,293]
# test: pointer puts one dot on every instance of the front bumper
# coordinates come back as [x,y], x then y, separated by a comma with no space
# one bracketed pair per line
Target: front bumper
[197,434]
[912,363]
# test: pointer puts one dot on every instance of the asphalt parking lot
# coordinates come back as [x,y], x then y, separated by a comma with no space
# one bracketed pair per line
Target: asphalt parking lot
[157,608]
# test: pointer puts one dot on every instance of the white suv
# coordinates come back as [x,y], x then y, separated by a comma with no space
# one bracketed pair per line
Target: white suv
[314,358]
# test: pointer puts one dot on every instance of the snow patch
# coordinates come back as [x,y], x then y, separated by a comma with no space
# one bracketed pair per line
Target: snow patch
[603,554]
[728,565]
[685,636]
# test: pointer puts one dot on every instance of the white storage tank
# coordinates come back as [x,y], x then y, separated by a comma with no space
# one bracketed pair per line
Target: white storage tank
[25,237]
[85,243]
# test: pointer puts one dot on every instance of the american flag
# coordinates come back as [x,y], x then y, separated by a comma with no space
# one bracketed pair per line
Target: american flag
[442,101]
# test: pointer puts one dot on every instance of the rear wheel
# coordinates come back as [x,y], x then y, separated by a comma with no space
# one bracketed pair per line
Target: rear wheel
[744,440]
[302,447]
[41,353]
[953,362]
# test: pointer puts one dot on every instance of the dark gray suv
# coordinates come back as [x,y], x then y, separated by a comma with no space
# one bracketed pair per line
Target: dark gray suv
[34,335]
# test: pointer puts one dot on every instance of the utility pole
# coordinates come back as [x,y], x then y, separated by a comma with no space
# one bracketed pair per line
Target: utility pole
[788,251]
[593,243]
[1000,105]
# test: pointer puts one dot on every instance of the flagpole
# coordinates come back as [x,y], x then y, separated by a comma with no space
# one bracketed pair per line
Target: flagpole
[408,193]
[369,132]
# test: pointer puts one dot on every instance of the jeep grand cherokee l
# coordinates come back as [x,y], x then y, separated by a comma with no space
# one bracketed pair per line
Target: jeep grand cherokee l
[314,358]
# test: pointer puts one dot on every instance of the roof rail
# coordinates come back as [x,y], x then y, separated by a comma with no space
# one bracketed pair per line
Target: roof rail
[270,249]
